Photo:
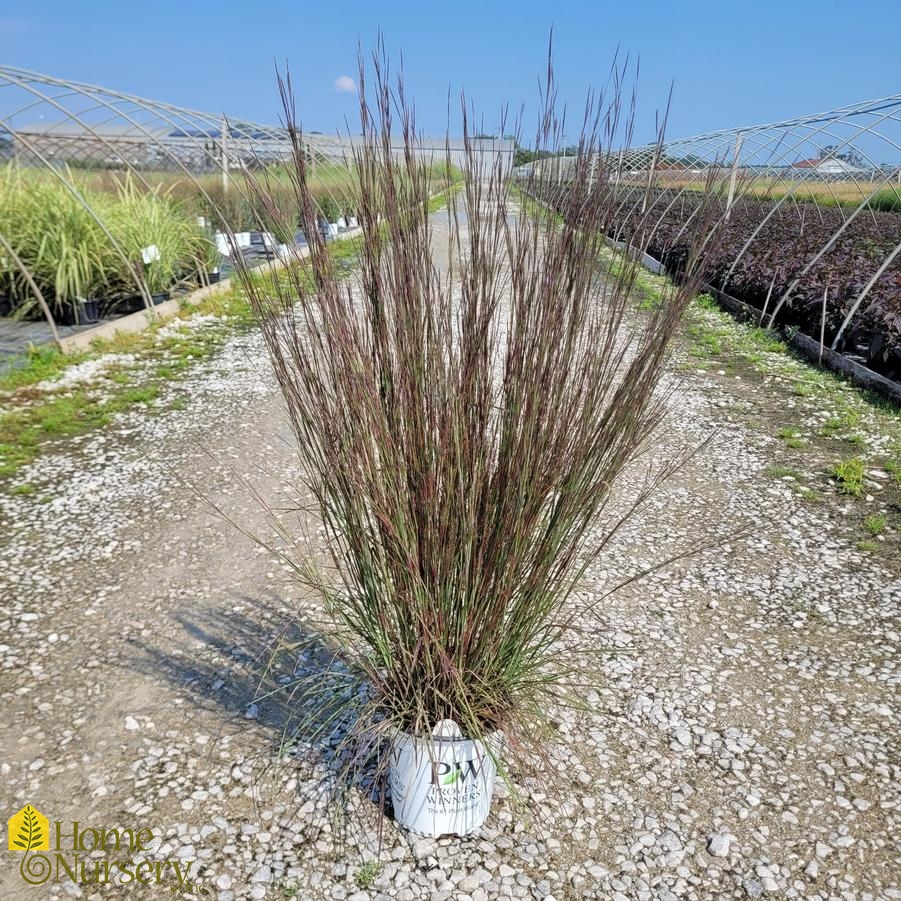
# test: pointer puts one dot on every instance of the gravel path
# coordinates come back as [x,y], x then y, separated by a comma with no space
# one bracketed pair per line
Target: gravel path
[744,739]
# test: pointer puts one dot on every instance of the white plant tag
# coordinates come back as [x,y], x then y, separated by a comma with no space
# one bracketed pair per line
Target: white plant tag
[446,729]
[150,254]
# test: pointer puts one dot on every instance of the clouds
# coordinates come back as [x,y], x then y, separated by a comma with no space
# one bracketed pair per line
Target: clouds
[344,84]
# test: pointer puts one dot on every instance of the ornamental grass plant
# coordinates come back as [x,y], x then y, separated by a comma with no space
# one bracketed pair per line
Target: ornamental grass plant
[79,242]
[139,219]
[461,426]
[63,246]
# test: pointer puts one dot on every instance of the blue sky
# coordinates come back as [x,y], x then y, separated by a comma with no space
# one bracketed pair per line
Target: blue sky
[732,64]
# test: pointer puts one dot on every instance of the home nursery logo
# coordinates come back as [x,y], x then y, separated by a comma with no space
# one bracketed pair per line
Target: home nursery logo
[72,856]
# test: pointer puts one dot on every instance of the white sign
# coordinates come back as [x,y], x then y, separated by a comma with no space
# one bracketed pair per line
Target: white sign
[150,254]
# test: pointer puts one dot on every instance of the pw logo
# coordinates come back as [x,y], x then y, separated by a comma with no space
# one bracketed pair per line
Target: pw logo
[28,830]
[452,773]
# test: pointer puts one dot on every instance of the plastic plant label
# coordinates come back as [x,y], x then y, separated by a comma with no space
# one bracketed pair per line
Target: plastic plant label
[447,729]
[150,254]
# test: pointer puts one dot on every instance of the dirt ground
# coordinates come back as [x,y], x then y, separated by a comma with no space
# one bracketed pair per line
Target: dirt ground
[745,736]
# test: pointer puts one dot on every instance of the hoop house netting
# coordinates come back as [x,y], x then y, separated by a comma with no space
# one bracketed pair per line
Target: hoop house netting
[109,202]
[809,230]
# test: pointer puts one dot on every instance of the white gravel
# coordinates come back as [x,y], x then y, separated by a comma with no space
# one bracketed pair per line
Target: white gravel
[742,742]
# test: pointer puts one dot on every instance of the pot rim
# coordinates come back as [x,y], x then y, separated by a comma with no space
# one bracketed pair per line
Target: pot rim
[496,738]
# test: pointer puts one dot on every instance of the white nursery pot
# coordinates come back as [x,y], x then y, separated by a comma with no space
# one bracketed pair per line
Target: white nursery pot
[222,244]
[442,785]
[332,230]
[351,221]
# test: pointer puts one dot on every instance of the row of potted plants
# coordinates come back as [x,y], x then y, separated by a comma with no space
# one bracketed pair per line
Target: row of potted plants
[91,252]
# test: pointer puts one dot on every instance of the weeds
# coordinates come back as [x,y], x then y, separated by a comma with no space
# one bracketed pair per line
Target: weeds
[43,363]
[876,524]
[716,333]
[849,475]
[831,426]
[791,435]
[367,874]
[778,471]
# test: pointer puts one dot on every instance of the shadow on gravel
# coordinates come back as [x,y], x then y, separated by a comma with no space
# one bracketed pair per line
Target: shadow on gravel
[253,667]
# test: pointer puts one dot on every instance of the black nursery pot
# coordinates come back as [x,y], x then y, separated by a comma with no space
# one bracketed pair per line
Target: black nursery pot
[6,305]
[90,311]
[65,314]
[162,297]
[83,312]
[214,277]
[132,303]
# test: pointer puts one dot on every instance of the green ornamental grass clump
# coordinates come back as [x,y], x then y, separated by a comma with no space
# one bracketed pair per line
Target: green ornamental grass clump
[79,242]
[55,235]
[138,219]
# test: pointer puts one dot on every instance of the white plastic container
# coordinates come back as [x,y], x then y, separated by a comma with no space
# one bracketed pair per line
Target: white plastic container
[442,786]
[222,244]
